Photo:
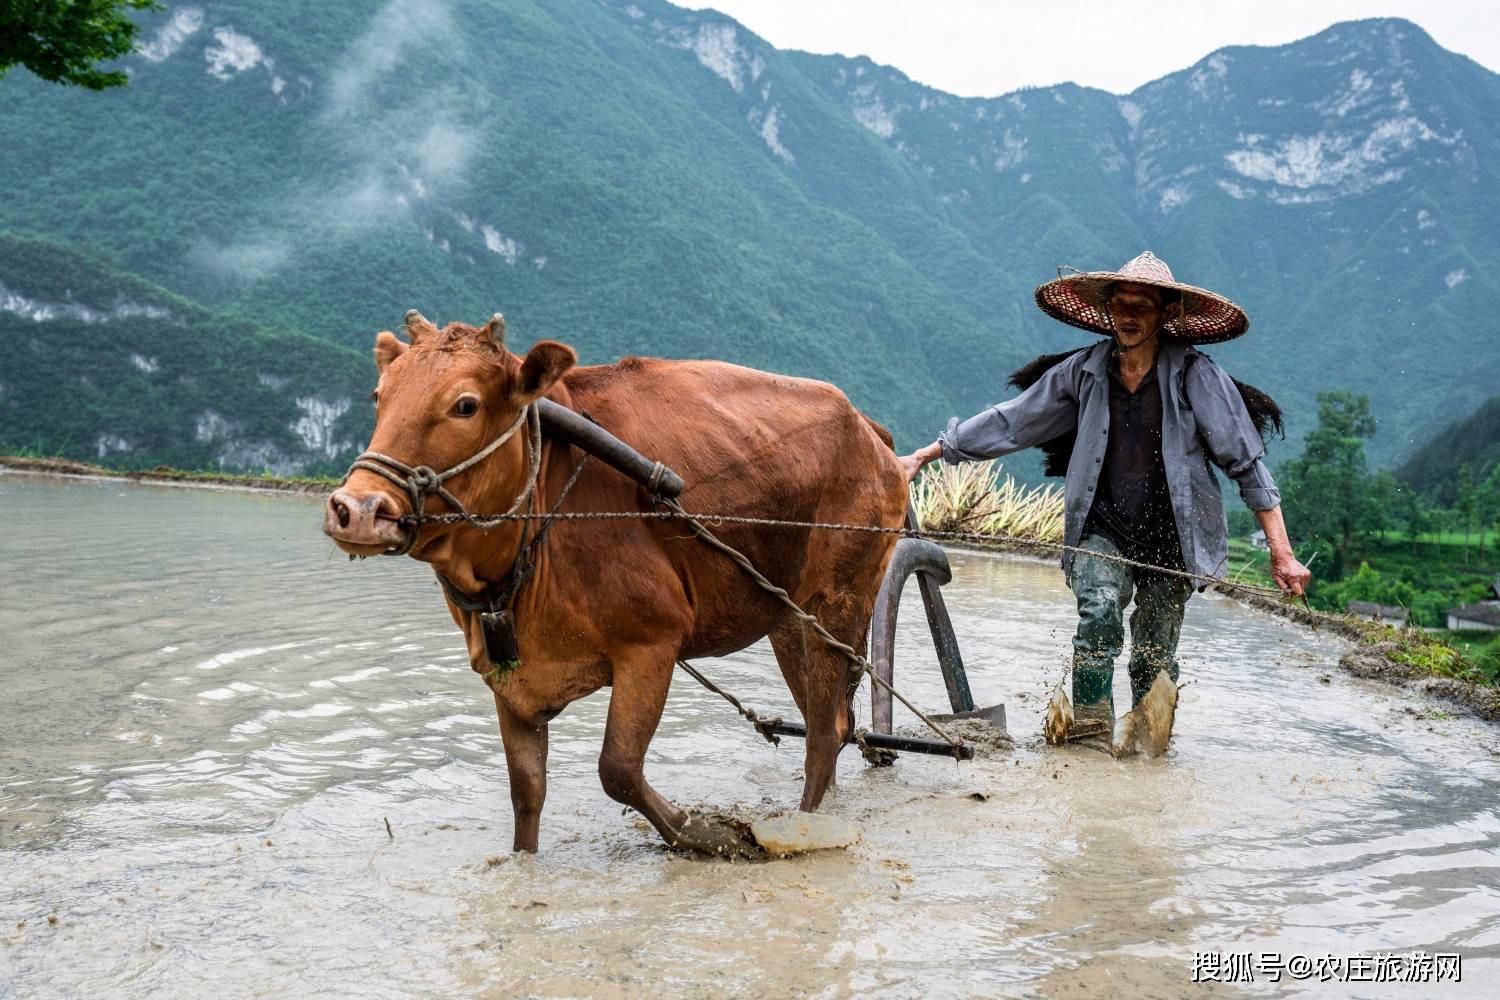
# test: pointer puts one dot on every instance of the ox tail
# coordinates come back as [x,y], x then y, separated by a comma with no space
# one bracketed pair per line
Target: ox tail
[880,432]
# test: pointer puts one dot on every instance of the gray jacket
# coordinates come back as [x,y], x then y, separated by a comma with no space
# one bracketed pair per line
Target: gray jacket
[1203,420]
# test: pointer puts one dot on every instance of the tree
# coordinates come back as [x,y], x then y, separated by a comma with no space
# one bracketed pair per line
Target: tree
[1464,506]
[1327,493]
[1487,505]
[1368,585]
[1384,494]
[62,40]
[1439,521]
[1413,514]
[1431,609]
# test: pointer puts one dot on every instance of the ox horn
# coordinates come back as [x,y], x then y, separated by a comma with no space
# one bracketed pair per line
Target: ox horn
[495,329]
[417,324]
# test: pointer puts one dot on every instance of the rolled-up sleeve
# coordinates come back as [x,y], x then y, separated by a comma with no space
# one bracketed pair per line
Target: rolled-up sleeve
[1045,411]
[1229,434]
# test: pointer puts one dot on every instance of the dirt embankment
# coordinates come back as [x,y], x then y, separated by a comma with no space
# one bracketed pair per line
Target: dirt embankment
[1406,657]
[165,474]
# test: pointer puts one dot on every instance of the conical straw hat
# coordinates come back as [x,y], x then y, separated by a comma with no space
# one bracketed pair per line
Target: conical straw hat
[1080,299]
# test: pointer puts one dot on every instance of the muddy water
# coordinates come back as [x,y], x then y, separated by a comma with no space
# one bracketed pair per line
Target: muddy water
[208,717]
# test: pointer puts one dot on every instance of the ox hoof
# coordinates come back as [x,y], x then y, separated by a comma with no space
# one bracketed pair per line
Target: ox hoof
[716,838]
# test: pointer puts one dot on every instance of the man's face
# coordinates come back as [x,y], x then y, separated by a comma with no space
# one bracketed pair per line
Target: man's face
[1137,312]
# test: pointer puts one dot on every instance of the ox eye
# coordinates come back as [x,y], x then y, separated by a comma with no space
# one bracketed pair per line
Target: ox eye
[466,406]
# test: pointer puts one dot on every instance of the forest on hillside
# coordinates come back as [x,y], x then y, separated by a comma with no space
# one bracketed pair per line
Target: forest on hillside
[1376,537]
[637,178]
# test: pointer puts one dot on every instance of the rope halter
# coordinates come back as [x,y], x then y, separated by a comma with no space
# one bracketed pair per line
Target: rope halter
[420,480]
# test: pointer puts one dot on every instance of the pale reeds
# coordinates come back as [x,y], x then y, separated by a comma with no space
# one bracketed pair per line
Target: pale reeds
[972,497]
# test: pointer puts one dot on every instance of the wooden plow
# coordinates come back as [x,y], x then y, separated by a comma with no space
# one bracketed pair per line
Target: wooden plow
[927,561]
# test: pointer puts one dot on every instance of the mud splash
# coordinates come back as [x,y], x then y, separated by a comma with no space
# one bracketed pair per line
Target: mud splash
[1147,728]
[986,739]
[802,833]
[1059,719]
[210,718]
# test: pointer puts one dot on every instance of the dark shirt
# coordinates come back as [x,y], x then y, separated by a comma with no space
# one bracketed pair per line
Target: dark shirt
[1133,505]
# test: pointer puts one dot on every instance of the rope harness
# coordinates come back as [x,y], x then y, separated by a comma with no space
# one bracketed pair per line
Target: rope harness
[419,481]
[496,610]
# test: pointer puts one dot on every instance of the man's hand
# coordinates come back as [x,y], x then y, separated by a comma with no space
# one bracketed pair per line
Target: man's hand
[1289,574]
[912,464]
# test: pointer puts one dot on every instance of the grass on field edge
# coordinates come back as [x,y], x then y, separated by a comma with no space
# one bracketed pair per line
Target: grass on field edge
[167,474]
[1403,656]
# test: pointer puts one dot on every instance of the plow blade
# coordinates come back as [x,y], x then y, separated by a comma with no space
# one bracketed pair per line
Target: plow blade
[994,715]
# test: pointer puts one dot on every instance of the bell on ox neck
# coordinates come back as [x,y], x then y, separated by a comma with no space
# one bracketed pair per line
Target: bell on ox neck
[500,640]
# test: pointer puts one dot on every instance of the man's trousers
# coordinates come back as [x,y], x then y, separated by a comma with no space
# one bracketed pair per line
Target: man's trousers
[1104,588]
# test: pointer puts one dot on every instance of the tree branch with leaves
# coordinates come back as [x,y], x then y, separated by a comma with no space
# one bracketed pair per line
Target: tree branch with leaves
[64,41]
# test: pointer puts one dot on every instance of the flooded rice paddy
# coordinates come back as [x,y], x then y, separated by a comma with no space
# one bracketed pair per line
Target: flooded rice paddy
[209,716]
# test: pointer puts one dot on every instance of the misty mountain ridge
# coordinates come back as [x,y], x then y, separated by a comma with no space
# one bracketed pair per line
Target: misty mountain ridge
[638,178]
[107,367]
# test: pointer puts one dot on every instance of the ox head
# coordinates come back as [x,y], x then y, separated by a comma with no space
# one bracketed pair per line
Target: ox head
[441,399]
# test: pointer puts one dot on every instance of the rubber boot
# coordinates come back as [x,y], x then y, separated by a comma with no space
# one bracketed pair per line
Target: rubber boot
[1093,696]
[1143,671]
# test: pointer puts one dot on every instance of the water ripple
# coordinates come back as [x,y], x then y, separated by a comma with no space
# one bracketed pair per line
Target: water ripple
[210,722]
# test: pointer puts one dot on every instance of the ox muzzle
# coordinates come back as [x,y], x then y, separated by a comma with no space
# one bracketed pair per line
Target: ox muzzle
[370,522]
[365,521]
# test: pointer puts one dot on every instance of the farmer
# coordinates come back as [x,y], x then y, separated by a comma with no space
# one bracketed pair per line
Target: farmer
[1149,414]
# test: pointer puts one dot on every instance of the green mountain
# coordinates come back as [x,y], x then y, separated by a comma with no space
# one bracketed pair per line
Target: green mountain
[1341,188]
[638,178]
[1473,441]
[105,366]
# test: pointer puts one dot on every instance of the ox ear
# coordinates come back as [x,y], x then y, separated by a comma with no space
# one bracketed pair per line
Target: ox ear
[544,365]
[387,349]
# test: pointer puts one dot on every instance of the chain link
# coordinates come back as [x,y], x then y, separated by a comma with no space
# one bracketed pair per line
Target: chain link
[860,665]
[972,537]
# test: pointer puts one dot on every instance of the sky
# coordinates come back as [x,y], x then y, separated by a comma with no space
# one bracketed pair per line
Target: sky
[976,48]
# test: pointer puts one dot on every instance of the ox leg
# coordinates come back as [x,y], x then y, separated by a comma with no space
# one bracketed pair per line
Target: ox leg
[786,643]
[526,760]
[637,697]
[791,656]
[829,709]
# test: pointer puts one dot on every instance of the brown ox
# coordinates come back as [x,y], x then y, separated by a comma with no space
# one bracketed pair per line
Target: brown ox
[617,602]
